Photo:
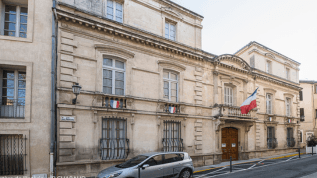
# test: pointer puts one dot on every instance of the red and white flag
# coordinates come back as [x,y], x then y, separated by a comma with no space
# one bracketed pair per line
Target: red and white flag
[249,103]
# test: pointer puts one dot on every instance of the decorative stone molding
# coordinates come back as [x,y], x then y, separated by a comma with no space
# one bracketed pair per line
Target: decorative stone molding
[242,65]
[218,123]
[171,65]
[198,136]
[130,103]
[248,126]
[114,51]
[172,13]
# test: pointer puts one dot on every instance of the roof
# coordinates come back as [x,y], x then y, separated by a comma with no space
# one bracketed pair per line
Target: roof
[179,6]
[308,81]
[267,48]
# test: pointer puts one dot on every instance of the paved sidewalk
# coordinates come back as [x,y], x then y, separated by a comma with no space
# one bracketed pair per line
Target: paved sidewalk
[227,163]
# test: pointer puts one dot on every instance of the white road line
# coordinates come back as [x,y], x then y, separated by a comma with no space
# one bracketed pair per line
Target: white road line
[255,164]
[291,158]
[211,172]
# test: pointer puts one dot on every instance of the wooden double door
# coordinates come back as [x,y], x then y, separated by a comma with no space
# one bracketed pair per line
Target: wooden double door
[229,143]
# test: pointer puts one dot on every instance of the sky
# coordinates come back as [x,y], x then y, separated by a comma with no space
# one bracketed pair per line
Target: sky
[286,26]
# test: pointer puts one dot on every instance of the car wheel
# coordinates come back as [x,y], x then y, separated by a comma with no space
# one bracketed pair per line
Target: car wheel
[185,174]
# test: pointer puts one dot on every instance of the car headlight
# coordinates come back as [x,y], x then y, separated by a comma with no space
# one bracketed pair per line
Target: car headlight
[116,174]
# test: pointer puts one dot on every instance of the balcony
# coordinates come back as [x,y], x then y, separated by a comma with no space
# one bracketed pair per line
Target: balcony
[302,118]
[272,143]
[11,108]
[232,111]
[114,102]
[170,108]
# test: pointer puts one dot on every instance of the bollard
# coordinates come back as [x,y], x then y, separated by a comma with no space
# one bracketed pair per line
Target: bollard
[299,152]
[230,164]
[139,172]
[312,150]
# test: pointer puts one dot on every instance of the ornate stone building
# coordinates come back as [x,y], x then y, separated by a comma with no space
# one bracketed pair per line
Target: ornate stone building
[25,81]
[148,86]
[308,110]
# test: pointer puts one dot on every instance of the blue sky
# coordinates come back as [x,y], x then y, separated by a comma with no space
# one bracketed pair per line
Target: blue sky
[286,26]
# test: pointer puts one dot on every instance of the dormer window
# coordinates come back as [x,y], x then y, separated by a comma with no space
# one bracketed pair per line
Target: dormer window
[170,30]
[114,11]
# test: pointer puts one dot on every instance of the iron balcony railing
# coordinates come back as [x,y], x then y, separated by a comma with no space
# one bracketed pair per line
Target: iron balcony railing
[172,141]
[290,142]
[233,111]
[12,154]
[114,102]
[11,108]
[171,108]
[272,143]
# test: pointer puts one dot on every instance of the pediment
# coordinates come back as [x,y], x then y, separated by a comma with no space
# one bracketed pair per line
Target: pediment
[171,12]
[270,55]
[114,51]
[171,65]
[234,61]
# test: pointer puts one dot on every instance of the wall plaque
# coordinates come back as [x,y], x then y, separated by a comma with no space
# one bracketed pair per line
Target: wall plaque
[223,145]
[233,145]
[67,118]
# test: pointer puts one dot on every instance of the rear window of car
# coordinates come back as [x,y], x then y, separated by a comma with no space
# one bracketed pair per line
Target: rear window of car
[170,158]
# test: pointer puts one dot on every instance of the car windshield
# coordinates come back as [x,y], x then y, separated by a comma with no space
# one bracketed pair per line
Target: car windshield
[132,162]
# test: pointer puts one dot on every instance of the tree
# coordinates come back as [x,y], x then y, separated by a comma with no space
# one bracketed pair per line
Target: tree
[311,141]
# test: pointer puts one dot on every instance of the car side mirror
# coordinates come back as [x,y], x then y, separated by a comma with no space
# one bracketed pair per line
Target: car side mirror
[145,166]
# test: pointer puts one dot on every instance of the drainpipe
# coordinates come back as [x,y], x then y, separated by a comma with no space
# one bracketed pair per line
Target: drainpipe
[53,102]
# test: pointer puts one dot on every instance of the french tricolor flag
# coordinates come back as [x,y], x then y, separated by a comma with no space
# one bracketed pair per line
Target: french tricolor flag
[114,103]
[249,103]
[172,109]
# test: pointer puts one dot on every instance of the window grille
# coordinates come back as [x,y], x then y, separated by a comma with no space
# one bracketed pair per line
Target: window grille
[12,103]
[290,138]
[12,154]
[170,86]
[271,140]
[228,94]
[114,143]
[172,140]
[268,103]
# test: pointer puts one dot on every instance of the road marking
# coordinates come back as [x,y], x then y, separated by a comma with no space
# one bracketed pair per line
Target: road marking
[290,158]
[212,172]
[255,164]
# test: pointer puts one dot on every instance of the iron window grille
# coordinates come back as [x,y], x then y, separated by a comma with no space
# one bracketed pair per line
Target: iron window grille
[271,140]
[12,154]
[172,140]
[114,143]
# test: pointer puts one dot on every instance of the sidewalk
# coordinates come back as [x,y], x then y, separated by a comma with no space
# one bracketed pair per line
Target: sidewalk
[227,163]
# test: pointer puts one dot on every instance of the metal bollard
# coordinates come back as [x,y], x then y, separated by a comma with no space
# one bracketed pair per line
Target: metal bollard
[312,150]
[230,164]
[299,152]
[139,172]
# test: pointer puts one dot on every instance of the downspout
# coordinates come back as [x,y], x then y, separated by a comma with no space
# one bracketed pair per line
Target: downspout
[53,102]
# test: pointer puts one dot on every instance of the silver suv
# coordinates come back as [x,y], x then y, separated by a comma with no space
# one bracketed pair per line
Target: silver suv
[151,165]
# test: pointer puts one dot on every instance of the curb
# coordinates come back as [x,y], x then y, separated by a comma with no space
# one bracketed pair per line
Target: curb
[280,157]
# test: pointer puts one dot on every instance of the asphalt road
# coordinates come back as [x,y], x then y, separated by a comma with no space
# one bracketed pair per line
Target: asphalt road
[291,167]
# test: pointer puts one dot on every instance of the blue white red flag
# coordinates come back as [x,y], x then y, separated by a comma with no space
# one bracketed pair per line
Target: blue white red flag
[249,103]
[172,109]
[114,103]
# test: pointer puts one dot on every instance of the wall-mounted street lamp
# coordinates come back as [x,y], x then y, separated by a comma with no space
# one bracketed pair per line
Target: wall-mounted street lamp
[76,91]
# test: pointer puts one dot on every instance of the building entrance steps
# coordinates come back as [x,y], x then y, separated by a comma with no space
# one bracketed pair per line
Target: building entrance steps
[227,163]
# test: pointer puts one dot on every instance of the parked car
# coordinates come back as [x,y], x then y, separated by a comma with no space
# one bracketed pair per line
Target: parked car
[152,165]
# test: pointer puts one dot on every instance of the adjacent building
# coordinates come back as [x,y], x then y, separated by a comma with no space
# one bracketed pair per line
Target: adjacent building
[308,110]
[25,81]
[148,86]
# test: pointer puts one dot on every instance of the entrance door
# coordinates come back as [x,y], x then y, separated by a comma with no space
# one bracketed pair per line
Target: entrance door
[229,143]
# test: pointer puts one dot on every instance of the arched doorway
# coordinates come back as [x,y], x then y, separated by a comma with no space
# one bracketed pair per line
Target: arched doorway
[229,143]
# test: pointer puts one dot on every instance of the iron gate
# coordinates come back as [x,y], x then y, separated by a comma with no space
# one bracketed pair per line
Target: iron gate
[114,143]
[12,154]
[172,140]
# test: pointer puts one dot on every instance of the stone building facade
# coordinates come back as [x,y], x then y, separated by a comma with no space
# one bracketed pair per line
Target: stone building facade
[308,110]
[148,86]
[25,104]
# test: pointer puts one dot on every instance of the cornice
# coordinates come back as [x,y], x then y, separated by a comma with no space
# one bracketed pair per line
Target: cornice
[112,30]
[275,81]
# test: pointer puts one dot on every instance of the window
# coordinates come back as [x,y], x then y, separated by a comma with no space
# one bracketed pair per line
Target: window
[302,114]
[170,86]
[316,113]
[13,94]
[301,95]
[170,158]
[170,31]
[271,140]
[115,11]
[228,96]
[252,62]
[288,107]
[301,136]
[268,67]
[113,77]
[13,154]
[114,142]
[290,138]
[172,140]
[15,21]
[154,161]
[287,74]
[315,88]
[269,104]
